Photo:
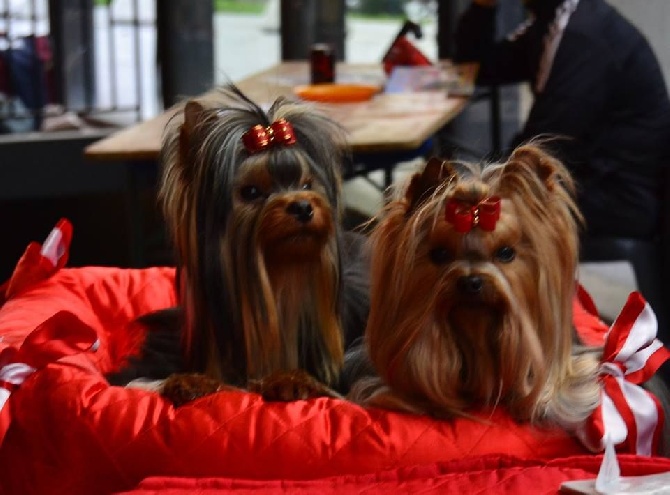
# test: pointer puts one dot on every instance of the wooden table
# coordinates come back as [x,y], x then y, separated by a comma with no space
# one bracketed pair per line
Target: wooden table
[387,123]
[383,131]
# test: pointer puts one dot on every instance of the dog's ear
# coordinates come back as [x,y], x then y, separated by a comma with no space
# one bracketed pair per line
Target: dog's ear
[423,184]
[530,161]
[193,114]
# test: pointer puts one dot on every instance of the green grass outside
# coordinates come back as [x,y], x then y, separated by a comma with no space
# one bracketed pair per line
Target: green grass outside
[258,6]
[376,17]
[228,6]
[239,6]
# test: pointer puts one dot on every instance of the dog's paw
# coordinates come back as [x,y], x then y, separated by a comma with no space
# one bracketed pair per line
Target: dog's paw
[181,388]
[287,386]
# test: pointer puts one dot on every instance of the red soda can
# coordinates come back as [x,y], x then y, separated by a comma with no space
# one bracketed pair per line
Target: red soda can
[322,64]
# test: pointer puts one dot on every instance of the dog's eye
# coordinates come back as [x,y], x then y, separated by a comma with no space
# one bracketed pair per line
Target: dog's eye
[307,185]
[250,193]
[505,254]
[439,255]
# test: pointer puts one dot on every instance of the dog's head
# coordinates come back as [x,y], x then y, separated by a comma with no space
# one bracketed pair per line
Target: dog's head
[473,278]
[252,200]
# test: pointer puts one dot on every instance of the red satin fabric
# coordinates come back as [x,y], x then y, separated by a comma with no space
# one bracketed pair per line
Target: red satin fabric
[68,417]
[259,138]
[590,327]
[486,474]
[104,299]
[464,217]
[73,433]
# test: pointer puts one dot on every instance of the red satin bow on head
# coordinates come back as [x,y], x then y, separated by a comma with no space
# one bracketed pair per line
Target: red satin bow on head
[259,138]
[464,217]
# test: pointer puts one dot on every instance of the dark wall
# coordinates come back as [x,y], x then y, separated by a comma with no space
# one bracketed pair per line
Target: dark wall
[98,239]
[44,178]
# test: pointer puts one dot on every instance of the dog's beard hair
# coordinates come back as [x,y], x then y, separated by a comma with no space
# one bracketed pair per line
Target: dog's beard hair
[497,351]
[449,369]
[287,312]
[306,303]
[292,307]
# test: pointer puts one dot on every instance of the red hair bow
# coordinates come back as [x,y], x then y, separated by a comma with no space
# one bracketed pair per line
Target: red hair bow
[464,217]
[259,138]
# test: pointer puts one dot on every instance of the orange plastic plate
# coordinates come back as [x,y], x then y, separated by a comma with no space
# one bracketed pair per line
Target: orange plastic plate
[336,93]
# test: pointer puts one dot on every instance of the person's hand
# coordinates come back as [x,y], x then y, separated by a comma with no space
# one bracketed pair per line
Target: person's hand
[486,3]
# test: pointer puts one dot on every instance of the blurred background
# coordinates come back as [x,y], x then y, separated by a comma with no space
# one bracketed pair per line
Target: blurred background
[74,71]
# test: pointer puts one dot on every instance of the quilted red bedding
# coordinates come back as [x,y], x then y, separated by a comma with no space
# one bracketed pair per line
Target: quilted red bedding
[471,475]
[64,430]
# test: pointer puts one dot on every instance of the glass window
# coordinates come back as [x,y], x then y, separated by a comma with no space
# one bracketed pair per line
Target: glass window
[246,38]
[372,25]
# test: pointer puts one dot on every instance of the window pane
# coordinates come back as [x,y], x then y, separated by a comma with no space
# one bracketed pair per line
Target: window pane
[246,38]
[372,25]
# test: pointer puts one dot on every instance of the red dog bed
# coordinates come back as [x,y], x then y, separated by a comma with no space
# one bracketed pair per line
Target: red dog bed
[65,430]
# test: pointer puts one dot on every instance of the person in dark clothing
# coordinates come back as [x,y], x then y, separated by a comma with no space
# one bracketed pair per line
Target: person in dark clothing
[598,87]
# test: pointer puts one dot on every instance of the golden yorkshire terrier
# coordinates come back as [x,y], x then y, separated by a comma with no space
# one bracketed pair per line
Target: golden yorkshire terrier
[271,288]
[472,285]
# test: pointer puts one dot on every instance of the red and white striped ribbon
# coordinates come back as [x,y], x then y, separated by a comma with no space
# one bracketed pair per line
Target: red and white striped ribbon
[12,375]
[39,262]
[629,415]
[55,247]
[61,335]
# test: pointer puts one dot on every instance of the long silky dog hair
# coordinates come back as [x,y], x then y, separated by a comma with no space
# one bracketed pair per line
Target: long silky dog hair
[472,292]
[268,280]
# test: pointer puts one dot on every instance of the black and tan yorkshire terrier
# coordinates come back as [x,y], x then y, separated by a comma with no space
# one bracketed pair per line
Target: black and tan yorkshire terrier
[271,288]
[473,276]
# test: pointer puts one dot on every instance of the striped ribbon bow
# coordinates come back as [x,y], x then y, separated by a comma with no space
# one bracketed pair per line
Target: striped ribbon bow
[628,414]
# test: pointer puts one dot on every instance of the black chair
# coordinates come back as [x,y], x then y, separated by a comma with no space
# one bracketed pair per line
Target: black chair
[646,258]
[649,258]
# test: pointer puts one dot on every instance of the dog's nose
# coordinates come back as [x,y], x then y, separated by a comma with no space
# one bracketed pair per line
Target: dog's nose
[301,210]
[470,284]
